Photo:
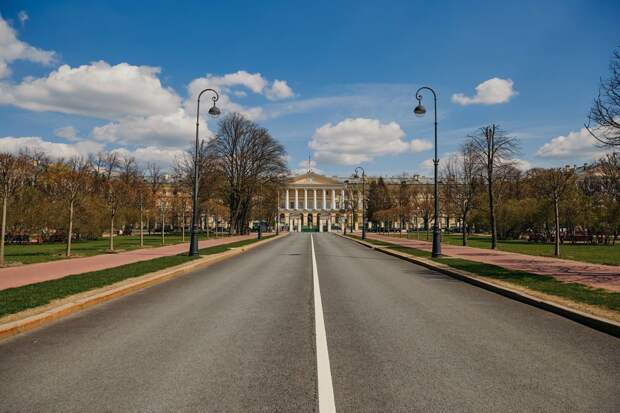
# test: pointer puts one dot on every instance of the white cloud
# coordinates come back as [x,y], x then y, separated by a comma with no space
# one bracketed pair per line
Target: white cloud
[174,129]
[12,49]
[68,132]
[522,164]
[489,92]
[23,17]
[98,90]
[420,145]
[302,168]
[52,149]
[254,82]
[358,140]
[575,145]
[163,157]
[279,90]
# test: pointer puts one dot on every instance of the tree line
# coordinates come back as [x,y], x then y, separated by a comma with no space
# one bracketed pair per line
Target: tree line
[241,170]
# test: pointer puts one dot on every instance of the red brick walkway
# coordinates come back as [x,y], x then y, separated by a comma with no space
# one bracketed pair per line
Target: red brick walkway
[595,275]
[34,273]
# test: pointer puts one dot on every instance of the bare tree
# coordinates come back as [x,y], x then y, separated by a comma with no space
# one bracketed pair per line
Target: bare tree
[155,180]
[605,112]
[112,187]
[461,176]
[13,172]
[247,156]
[553,184]
[70,182]
[492,148]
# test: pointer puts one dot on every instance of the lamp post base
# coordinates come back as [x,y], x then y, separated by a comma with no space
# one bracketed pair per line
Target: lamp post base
[436,243]
[193,244]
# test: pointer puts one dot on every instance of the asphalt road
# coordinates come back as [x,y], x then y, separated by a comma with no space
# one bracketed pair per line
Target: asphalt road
[239,336]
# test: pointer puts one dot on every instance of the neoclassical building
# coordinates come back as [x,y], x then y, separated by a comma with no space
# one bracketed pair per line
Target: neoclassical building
[313,202]
[317,203]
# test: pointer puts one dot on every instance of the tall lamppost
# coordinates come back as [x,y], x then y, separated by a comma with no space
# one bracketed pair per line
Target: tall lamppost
[213,111]
[420,111]
[363,199]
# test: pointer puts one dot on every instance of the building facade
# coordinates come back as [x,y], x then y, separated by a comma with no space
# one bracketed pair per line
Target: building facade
[313,202]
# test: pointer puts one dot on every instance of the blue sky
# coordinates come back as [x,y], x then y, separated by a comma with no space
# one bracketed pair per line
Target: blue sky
[334,79]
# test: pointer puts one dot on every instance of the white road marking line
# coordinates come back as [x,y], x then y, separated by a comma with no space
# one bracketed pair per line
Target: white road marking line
[324,374]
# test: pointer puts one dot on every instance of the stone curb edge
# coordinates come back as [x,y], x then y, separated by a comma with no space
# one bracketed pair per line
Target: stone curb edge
[144,281]
[601,324]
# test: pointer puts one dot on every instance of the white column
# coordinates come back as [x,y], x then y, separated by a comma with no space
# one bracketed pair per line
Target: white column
[324,199]
[315,199]
[342,204]
[321,224]
[305,198]
[333,199]
[296,199]
[299,225]
[329,223]
[286,206]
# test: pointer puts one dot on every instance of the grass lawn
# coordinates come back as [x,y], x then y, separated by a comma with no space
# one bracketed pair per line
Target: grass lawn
[30,254]
[596,254]
[542,283]
[17,299]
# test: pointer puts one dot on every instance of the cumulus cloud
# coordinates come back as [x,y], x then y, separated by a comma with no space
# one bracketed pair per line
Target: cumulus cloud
[279,90]
[522,164]
[52,149]
[358,140]
[173,129]
[164,157]
[11,49]
[575,145]
[68,132]
[99,90]
[420,145]
[302,168]
[228,84]
[489,92]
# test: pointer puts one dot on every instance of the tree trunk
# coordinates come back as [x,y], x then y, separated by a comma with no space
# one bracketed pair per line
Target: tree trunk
[464,229]
[141,226]
[492,220]
[163,228]
[183,226]
[3,229]
[70,232]
[111,245]
[556,203]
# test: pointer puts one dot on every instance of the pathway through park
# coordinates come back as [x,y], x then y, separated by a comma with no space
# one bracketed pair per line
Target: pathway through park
[594,275]
[18,276]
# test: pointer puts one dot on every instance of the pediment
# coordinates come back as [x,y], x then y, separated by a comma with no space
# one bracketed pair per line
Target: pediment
[312,178]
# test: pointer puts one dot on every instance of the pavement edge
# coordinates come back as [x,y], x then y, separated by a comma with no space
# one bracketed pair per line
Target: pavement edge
[144,281]
[601,324]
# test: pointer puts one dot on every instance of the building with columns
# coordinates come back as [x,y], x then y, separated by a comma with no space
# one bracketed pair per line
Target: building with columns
[313,202]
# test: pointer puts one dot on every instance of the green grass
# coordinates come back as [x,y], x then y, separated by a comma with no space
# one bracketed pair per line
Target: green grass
[596,254]
[576,292]
[30,254]
[17,299]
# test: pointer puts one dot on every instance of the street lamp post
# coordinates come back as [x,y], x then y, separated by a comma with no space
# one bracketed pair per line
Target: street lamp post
[213,111]
[363,199]
[420,111]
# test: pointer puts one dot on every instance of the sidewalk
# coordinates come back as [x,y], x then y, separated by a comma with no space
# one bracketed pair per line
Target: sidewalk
[594,275]
[11,277]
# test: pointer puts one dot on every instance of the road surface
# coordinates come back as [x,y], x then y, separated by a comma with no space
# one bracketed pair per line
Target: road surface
[241,336]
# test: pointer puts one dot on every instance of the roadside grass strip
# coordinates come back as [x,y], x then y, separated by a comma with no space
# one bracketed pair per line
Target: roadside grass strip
[14,300]
[596,254]
[542,283]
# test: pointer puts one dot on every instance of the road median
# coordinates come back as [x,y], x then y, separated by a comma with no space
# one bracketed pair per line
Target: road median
[32,318]
[546,302]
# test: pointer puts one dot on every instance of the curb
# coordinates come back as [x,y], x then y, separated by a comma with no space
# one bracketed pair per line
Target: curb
[144,281]
[601,324]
